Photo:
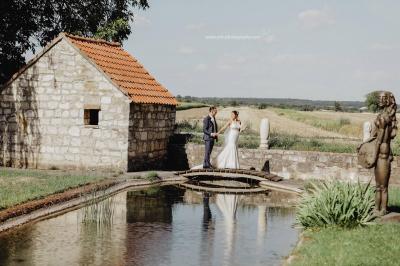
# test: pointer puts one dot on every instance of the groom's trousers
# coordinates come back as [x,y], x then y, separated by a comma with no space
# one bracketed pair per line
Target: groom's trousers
[209,144]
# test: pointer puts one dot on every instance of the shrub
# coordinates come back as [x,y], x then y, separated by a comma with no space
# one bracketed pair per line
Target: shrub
[344,121]
[337,203]
[283,141]
[152,176]
[262,106]
[188,126]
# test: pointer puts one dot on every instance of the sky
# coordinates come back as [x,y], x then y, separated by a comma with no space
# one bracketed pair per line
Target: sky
[320,50]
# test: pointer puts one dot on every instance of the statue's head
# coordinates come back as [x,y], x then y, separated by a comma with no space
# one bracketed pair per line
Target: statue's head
[386,99]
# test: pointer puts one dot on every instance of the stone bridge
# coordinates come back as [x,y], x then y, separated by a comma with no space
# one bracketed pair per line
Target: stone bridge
[263,179]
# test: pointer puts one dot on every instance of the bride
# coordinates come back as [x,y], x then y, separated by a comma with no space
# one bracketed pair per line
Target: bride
[229,156]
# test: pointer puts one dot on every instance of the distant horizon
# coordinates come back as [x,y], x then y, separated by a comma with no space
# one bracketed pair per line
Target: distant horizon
[272,98]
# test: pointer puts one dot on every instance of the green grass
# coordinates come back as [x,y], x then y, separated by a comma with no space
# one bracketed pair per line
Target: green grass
[371,245]
[396,145]
[368,245]
[18,186]
[189,105]
[394,197]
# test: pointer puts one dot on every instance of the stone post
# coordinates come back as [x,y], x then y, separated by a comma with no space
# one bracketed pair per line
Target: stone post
[264,133]
[367,129]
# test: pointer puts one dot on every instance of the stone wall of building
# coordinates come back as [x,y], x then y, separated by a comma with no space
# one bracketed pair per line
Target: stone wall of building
[150,128]
[42,115]
[293,164]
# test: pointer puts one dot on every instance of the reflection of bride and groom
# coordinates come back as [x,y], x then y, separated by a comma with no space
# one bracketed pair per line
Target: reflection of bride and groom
[227,205]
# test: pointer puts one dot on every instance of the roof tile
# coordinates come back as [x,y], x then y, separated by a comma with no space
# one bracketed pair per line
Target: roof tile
[124,70]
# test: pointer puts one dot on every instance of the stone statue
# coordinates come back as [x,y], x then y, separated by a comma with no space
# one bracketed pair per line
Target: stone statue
[264,133]
[367,129]
[376,151]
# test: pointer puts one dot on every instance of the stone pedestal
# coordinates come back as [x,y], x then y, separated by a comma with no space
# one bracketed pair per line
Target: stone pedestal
[367,129]
[392,217]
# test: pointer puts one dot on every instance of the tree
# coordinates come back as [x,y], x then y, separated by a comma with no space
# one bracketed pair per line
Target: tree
[372,101]
[338,107]
[262,106]
[233,103]
[26,24]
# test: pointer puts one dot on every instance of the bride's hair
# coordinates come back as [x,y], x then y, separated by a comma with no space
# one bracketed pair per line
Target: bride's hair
[236,113]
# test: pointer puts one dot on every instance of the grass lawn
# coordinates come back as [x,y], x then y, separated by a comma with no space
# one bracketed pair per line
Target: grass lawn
[371,245]
[20,185]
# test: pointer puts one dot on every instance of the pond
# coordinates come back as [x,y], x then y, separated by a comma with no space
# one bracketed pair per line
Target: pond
[165,225]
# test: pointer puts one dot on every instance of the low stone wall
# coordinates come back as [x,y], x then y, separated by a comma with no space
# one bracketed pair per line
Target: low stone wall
[297,164]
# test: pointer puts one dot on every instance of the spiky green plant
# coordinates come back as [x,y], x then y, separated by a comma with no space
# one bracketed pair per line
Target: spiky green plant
[337,203]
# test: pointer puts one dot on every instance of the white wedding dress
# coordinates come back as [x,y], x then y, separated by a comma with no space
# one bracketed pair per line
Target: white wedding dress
[229,156]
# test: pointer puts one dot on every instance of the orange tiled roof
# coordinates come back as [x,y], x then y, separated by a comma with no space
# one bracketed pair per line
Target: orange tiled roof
[124,70]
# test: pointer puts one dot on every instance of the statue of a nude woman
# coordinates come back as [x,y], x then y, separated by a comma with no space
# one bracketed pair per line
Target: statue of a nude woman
[385,129]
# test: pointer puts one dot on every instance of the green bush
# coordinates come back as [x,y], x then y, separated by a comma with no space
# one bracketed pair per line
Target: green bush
[337,203]
[188,126]
[152,176]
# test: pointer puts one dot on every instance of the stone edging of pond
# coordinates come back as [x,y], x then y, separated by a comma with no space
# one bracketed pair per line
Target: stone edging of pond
[71,199]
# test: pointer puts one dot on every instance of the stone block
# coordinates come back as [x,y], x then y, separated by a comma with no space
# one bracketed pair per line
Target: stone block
[74,131]
[105,100]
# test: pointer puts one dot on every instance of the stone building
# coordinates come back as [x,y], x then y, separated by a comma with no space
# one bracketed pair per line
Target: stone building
[84,103]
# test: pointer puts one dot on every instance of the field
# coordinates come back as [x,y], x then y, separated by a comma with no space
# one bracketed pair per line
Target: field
[305,130]
[18,186]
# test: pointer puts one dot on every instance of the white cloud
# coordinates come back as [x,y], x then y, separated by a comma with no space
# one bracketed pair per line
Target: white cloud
[269,38]
[315,18]
[225,66]
[186,50]
[381,47]
[294,59]
[195,27]
[200,67]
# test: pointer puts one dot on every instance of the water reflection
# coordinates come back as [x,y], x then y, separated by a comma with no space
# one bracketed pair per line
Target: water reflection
[227,204]
[161,226]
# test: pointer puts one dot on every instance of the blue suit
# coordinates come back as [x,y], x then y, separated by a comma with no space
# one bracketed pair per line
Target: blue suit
[208,129]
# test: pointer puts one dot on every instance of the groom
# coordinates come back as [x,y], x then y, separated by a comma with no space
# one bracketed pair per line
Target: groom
[210,129]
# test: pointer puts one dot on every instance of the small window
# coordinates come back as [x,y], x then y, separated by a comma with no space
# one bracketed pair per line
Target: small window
[91,117]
